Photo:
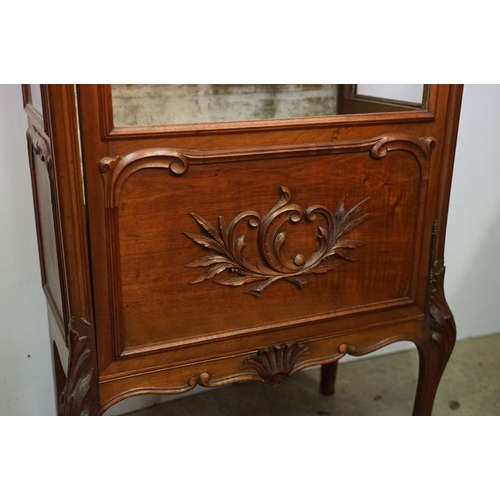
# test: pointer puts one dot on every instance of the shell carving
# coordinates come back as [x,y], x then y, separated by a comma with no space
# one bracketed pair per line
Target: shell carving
[274,363]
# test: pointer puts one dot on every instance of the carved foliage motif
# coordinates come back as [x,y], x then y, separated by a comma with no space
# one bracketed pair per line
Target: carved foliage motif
[75,399]
[274,363]
[274,266]
[442,323]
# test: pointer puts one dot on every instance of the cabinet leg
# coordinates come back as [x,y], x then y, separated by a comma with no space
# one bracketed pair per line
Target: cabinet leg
[328,375]
[431,369]
[435,349]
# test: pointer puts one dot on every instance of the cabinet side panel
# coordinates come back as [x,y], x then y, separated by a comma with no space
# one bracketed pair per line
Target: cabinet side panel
[47,221]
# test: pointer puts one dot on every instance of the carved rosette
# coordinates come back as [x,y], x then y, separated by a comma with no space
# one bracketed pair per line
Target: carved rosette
[76,397]
[228,244]
[274,363]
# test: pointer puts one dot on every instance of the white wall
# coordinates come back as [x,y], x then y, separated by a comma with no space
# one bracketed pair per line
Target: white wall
[26,380]
[472,257]
[473,236]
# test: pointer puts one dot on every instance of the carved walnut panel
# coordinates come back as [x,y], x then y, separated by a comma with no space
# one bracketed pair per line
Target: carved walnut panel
[340,219]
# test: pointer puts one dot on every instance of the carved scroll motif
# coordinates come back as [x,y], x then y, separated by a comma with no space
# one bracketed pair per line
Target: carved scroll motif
[116,171]
[275,266]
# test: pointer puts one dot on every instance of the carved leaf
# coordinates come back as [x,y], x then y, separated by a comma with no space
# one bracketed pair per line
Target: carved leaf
[240,243]
[349,244]
[209,228]
[327,267]
[354,223]
[354,210]
[223,230]
[345,254]
[339,213]
[237,280]
[208,260]
[300,282]
[76,397]
[203,240]
[211,272]
[259,288]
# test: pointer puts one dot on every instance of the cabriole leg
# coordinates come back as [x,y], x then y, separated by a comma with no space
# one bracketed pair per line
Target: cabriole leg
[437,346]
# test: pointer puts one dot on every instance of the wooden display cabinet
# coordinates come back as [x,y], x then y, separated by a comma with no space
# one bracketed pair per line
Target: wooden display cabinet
[206,235]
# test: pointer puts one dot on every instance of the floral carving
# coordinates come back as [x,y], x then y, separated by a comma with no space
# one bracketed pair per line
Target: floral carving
[275,266]
[274,363]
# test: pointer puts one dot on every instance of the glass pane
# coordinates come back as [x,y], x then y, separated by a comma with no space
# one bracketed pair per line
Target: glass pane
[143,105]
[158,104]
[409,93]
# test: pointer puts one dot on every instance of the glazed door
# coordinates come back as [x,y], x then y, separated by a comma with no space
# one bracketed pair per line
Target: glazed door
[228,218]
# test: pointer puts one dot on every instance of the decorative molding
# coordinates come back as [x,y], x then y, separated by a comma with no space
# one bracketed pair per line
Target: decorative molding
[421,148]
[271,240]
[274,363]
[347,349]
[204,380]
[76,397]
[268,365]
[116,171]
